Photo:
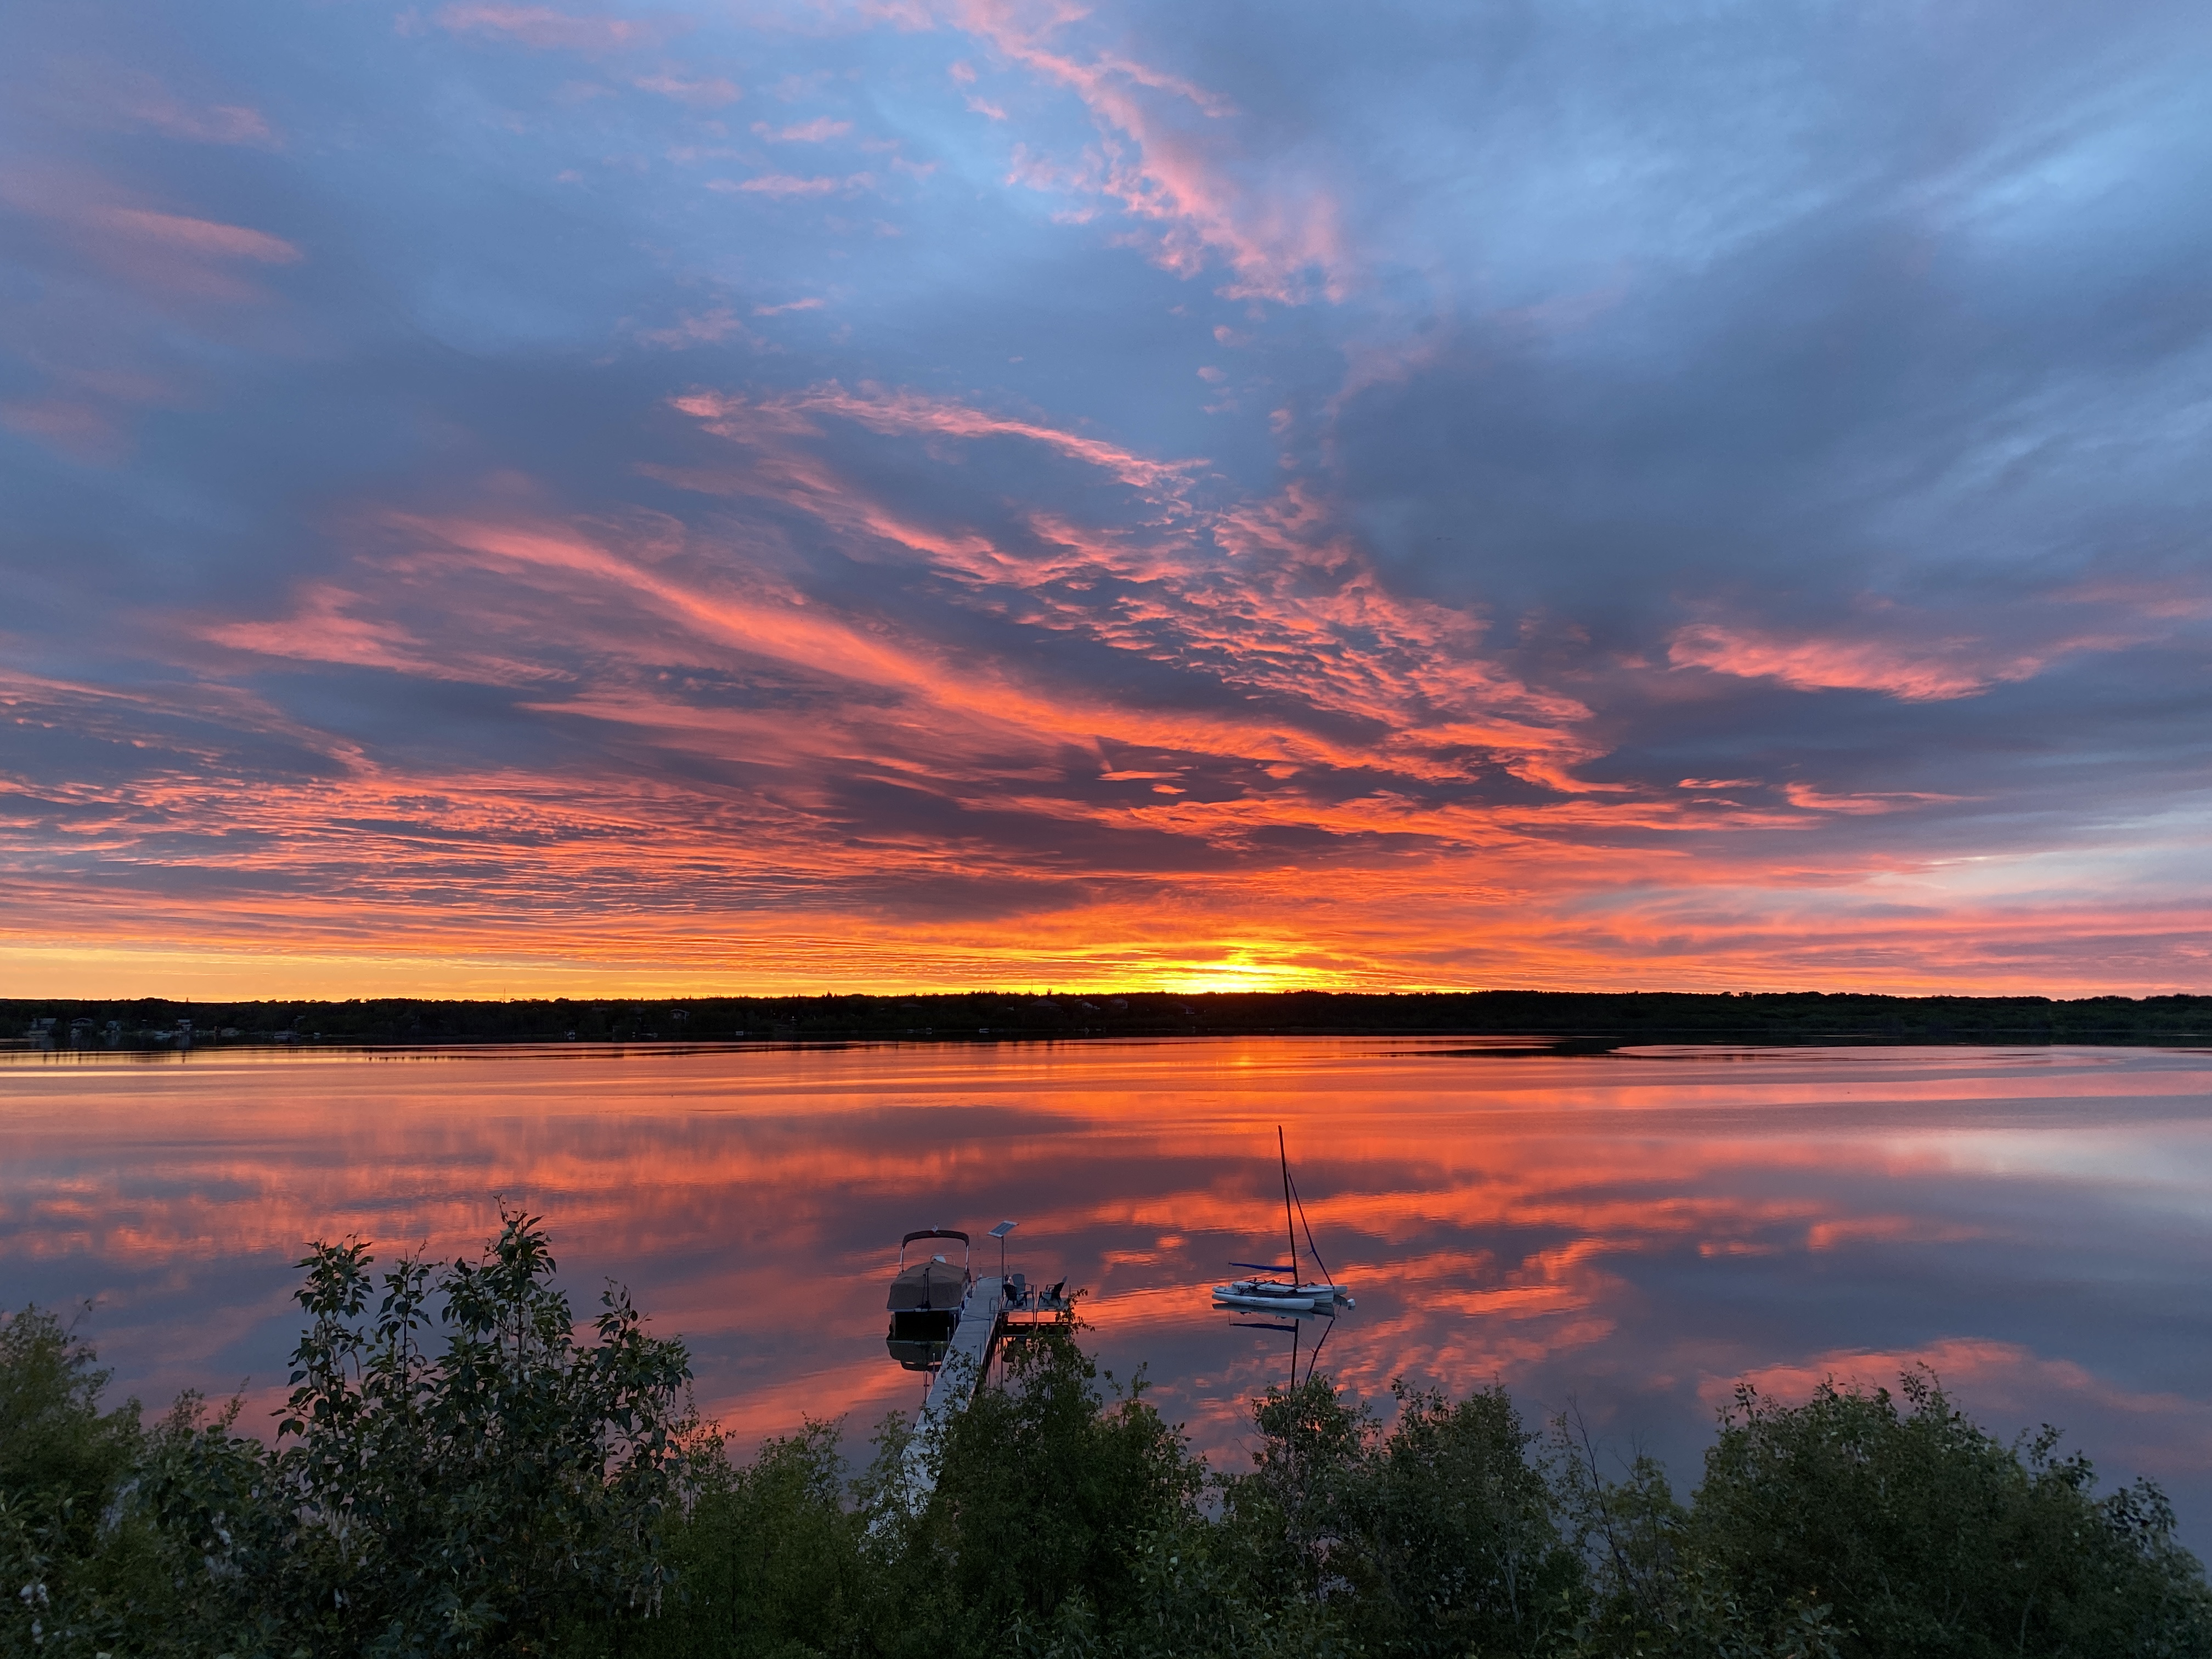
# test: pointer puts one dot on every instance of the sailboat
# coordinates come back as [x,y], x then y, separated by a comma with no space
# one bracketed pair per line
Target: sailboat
[1284,1291]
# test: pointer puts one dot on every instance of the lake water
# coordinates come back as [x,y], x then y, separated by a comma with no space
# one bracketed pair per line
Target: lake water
[1629,1232]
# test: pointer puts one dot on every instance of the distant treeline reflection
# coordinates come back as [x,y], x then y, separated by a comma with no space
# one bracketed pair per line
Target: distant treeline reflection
[457,1473]
[1555,1021]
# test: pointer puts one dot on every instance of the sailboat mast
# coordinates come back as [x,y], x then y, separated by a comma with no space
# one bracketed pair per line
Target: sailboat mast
[1290,1228]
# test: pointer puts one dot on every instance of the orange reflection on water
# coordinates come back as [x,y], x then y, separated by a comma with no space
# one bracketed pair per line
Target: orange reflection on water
[1633,1231]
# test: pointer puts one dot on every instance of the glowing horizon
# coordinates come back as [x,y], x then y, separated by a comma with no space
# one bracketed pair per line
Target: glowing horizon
[596,500]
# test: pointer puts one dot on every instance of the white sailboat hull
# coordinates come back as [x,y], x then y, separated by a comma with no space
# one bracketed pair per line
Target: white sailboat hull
[1264,1293]
[1286,1295]
[1293,1304]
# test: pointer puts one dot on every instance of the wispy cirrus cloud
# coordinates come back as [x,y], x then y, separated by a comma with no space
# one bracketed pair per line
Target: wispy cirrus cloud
[819,131]
[1925,671]
[142,99]
[786,186]
[904,411]
[160,249]
[134,294]
[546,29]
[1280,240]
[701,92]
[204,237]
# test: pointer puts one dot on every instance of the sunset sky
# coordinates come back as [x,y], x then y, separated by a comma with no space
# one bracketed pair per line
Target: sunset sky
[500,499]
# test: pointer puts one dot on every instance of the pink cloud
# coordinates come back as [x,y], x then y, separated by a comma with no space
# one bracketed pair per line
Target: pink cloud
[915,413]
[545,30]
[708,92]
[809,304]
[323,628]
[200,236]
[784,187]
[818,130]
[74,428]
[143,100]
[704,328]
[161,252]
[82,415]
[2170,599]
[1272,234]
[1931,671]
[1859,805]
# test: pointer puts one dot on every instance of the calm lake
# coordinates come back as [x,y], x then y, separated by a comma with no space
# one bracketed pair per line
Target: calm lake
[1630,1232]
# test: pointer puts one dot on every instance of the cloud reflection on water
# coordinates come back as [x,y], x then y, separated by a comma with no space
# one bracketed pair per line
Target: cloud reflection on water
[1632,1232]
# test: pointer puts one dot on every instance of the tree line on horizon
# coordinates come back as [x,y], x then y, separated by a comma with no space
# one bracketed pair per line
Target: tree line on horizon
[1556,1021]
[457,1473]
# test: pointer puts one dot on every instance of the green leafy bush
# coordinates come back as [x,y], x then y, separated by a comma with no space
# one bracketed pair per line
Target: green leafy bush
[487,1493]
[480,1495]
[1932,1539]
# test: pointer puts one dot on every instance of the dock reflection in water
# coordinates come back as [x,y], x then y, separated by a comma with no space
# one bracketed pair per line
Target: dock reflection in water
[1630,1232]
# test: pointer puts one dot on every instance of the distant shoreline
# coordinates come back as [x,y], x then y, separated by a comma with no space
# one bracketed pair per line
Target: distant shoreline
[1552,1022]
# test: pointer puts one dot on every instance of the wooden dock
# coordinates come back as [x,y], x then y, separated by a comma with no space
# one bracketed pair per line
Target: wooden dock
[988,1313]
[982,1316]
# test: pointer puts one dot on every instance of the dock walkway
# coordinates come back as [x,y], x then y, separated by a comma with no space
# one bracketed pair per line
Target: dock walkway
[985,1318]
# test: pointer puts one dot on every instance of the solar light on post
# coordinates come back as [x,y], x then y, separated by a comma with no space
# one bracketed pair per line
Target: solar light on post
[999,1233]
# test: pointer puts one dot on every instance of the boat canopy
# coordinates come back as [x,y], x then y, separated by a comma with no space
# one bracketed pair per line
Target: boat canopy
[932,1285]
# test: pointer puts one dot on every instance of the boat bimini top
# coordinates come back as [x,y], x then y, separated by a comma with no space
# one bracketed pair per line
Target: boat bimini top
[931,1285]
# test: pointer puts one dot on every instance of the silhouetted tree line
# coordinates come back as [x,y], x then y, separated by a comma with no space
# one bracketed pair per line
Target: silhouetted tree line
[1564,1021]
[457,1473]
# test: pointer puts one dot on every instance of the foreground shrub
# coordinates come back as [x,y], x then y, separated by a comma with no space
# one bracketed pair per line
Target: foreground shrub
[488,1493]
[773,1559]
[1437,1537]
[1932,1539]
[480,1498]
[69,1574]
